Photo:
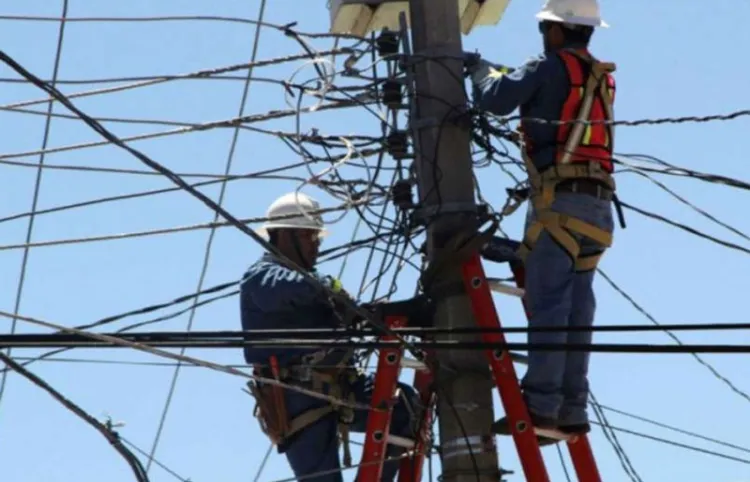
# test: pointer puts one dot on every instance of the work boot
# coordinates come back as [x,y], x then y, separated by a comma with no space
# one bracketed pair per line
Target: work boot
[502,427]
[576,429]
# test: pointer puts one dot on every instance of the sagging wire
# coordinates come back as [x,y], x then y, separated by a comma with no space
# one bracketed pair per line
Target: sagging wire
[611,437]
[674,337]
[156,462]
[111,436]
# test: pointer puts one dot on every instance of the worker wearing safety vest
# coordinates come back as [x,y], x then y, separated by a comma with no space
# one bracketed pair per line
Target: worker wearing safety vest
[570,220]
[275,296]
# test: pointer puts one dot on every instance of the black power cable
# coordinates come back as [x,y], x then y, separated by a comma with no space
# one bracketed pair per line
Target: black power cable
[112,437]
[57,95]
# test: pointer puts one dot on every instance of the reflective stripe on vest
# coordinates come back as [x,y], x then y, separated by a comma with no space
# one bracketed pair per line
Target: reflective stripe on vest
[596,142]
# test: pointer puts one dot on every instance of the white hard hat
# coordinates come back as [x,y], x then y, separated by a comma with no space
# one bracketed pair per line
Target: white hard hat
[298,210]
[574,12]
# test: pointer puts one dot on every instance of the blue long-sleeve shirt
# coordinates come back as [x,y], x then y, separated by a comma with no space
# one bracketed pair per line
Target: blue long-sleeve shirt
[539,87]
[273,296]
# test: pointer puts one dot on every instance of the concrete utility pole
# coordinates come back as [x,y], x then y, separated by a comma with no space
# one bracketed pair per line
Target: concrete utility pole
[442,147]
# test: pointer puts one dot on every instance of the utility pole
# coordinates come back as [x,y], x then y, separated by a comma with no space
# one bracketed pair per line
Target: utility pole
[442,147]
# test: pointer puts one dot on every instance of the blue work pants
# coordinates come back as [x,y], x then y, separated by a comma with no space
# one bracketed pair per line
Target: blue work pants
[556,383]
[315,449]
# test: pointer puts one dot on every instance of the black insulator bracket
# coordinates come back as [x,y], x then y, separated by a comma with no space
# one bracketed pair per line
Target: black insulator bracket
[397,144]
[401,195]
[393,94]
[387,43]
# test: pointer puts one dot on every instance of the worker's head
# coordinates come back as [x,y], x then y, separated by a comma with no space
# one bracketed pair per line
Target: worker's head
[295,228]
[568,22]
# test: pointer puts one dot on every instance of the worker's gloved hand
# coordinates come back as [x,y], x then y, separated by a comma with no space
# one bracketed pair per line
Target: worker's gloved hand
[335,285]
[479,69]
[471,61]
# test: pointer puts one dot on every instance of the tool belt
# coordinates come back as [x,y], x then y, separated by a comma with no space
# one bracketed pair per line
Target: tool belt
[270,401]
[566,176]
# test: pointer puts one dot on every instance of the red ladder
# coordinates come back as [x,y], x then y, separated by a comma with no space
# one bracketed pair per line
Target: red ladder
[384,397]
[524,435]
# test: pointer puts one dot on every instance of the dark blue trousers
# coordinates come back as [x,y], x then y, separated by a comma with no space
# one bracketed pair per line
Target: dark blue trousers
[314,451]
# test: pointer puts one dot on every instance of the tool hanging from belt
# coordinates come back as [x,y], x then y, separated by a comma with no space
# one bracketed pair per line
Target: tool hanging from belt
[562,228]
[270,407]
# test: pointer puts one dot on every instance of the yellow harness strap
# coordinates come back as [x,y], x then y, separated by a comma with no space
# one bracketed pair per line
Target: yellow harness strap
[542,193]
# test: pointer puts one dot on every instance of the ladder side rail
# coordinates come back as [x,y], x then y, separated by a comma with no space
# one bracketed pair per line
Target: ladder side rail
[583,459]
[503,371]
[383,395]
[412,467]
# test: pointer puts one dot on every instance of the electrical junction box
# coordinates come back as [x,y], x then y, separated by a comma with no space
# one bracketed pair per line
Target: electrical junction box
[360,17]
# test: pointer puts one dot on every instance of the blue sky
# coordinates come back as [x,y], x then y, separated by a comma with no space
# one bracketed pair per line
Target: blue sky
[674,59]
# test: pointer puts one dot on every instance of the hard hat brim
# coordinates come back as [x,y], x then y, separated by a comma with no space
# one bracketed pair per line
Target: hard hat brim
[263,230]
[588,22]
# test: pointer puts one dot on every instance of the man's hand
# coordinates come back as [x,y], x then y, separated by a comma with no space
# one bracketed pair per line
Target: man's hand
[479,69]
[471,61]
[335,285]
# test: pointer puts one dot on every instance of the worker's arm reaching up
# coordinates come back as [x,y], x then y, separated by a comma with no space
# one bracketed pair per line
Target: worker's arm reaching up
[501,90]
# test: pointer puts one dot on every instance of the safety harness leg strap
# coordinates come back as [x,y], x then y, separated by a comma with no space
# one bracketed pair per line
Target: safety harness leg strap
[560,226]
[308,418]
[588,262]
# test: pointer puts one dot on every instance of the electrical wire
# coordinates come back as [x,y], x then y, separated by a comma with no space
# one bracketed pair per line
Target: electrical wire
[212,232]
[37,186]
[111,436]
[390,241]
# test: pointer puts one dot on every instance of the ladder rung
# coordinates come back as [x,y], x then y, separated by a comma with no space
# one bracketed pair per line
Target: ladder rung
[407,443]
[553,434]
[412,363]
[506,289]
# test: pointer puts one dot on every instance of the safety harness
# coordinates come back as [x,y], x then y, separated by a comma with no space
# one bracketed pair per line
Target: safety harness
[270,403]
[580,156]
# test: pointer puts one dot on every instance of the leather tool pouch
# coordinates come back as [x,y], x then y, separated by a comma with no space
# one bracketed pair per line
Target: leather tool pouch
[272,415]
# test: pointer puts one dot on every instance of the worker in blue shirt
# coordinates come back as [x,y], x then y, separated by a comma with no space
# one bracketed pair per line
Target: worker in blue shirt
[570,222]
[275,296]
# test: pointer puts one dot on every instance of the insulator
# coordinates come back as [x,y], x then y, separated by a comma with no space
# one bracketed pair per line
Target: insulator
[392,94]
[387,43]
[397,144]
[401,194]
